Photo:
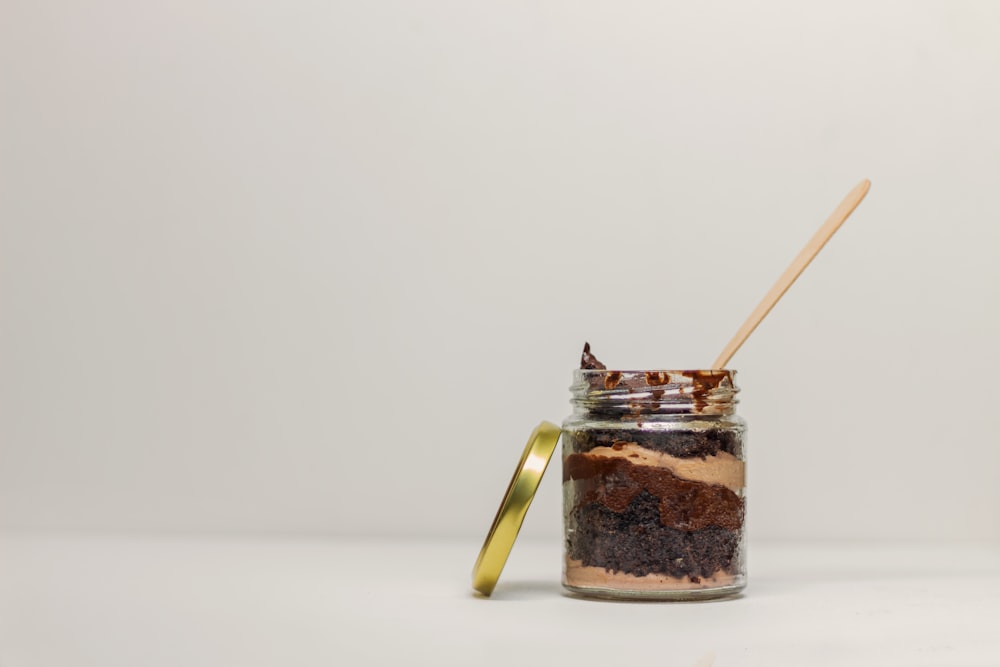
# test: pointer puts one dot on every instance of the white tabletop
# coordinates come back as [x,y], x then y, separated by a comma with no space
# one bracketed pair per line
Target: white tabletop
[107,601]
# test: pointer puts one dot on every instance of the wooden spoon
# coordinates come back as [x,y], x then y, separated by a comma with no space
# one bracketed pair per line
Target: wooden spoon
[798,265]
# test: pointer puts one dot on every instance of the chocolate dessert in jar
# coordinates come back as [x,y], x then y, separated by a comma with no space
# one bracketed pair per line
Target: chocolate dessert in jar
[653,472]
[653,484]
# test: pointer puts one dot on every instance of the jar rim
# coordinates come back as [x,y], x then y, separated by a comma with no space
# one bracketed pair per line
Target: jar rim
[675,371]
[647,392]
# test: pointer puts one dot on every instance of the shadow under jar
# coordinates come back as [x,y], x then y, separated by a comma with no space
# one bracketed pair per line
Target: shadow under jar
[654,485]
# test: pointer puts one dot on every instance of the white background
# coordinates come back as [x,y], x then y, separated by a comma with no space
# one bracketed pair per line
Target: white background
[308,267]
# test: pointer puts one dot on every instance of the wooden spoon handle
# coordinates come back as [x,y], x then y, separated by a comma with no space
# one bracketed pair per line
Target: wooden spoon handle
[798,265]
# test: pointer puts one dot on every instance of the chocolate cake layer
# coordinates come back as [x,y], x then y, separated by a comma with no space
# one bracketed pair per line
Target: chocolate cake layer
[636,542]
[683,504]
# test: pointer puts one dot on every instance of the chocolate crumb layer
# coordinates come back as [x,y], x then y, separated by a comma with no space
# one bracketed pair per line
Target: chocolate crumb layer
[682,444]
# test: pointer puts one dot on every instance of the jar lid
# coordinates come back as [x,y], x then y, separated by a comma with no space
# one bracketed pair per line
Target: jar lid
[510,516]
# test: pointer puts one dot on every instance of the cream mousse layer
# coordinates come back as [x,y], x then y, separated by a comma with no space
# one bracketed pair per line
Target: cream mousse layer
[587,576]
[721,468]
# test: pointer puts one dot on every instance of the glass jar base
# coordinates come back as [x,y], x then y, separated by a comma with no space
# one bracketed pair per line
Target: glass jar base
[689,595]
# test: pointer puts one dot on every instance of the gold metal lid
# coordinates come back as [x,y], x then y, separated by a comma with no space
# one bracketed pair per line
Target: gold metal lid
[520,492]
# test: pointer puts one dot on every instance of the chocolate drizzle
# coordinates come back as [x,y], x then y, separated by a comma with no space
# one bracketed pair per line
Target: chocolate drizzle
[657,378]
[702,384]
[612,379]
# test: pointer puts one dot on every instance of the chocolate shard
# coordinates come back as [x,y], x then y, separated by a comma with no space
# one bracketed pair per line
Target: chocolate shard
[589,361]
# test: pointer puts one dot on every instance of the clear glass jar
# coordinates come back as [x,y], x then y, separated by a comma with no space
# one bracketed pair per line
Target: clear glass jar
[654,485]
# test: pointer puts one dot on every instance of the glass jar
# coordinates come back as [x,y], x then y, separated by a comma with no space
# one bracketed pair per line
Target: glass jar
[654,485]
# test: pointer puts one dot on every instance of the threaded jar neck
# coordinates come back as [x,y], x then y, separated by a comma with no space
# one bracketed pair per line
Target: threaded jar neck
[621,394]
